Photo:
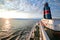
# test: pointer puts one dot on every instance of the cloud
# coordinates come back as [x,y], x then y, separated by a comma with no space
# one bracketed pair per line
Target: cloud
[22,5]
[34,7]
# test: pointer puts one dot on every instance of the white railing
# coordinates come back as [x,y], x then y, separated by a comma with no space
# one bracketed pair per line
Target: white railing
[44,34]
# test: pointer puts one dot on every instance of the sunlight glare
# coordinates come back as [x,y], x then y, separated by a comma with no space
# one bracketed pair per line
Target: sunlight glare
[6,25]
[12,14]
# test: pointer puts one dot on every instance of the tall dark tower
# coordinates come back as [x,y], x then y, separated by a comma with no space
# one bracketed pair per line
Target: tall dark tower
[47,12]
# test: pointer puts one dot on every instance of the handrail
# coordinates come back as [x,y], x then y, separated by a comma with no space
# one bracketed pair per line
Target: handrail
[44,34]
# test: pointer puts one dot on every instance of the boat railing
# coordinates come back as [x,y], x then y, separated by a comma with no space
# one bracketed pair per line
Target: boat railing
[44,35]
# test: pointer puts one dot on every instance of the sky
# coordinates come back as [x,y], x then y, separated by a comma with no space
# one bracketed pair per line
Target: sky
[28,8]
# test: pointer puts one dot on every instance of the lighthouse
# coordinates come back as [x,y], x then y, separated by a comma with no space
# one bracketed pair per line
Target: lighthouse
[47,12]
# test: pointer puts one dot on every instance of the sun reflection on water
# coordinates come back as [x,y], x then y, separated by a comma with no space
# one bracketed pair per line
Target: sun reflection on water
[6,25]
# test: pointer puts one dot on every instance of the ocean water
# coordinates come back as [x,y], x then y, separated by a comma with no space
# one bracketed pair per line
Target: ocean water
[10,26]
[56,21]
[17,23]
